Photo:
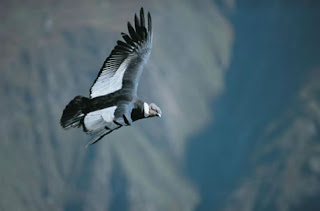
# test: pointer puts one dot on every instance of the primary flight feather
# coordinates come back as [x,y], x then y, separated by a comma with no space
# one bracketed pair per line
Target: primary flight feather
[113,101]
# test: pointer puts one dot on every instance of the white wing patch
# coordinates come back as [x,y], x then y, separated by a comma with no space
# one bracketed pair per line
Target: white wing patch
[97,120]
[109,82]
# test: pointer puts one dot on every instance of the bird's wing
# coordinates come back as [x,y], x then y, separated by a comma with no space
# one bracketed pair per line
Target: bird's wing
[102,122]
[123,67]
[97,137]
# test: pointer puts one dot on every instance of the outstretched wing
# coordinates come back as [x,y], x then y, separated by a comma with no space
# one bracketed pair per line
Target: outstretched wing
[122,69]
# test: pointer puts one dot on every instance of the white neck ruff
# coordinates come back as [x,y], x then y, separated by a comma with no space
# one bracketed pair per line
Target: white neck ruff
[146,109]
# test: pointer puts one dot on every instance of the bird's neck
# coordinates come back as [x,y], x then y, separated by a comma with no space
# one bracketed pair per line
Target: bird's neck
[137,112]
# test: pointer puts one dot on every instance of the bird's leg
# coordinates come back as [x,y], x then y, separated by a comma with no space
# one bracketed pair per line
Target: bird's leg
[117,122]
[126,120]
[123,115]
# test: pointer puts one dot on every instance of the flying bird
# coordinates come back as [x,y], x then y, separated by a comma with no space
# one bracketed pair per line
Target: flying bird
[113,100]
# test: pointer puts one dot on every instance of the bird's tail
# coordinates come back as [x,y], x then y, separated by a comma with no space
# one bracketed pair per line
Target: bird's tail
[73,113]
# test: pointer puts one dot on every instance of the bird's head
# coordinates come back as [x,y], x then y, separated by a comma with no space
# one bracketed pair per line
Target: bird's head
[151,110]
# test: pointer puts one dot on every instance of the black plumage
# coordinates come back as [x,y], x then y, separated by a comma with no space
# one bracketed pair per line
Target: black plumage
[113,100]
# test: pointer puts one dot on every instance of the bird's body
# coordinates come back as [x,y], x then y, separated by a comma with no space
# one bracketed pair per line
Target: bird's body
[113,101]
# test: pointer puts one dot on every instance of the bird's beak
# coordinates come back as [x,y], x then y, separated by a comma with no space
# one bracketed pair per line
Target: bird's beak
[159,115]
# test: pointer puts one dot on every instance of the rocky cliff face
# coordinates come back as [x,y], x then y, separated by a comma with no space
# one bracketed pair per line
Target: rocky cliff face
[52,51]
[237,83]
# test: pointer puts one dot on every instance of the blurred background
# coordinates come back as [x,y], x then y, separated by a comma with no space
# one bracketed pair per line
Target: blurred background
[237,81]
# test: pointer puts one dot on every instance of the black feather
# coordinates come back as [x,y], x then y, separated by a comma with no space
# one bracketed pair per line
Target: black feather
[127,39]
[142,21]
[136,22]
[132,33]
[73,113]
[149,24]
[123,44]
[122,48]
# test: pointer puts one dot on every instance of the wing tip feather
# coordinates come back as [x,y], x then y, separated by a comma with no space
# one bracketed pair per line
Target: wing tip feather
[149,23]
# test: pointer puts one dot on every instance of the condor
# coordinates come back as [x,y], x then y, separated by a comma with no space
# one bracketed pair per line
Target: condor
[113,101]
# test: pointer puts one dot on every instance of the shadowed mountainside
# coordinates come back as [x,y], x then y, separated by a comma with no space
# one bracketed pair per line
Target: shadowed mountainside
[261,152]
